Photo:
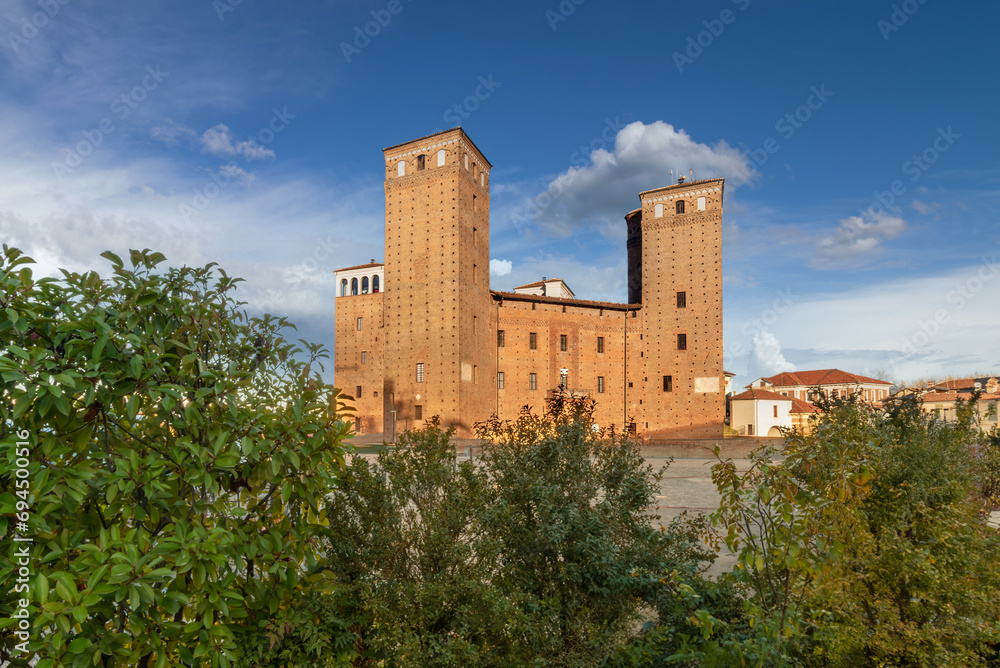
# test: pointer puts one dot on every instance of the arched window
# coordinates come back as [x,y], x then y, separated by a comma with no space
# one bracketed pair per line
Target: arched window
[421,162]
[343,287]
[354,286]
[441,155]
[375,284]
[466,160]
[364,285]
[659,210]
[401,168]
[680,206]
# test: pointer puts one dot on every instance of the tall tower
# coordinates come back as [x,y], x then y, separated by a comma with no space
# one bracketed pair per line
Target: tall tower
[682,309]
[633,244]
[440,352]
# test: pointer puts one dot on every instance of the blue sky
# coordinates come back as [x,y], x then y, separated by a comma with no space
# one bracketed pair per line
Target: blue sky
[251,134]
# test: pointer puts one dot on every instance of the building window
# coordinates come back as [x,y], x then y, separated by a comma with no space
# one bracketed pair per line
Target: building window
[361,322]
[532,341]
[375,284]
[500,338]
[475,237]
[682,300]
[418,412]
[364,357]
[668,383]
[682,342]
[630,384]
[600,384]
[680,206]
[441,158]
[775,411]
[749,430]
[343,287]
[421,162]
[420,372]
[466,160]
[475,318]
[364,285]
[658,211]
[475,203]
[354,286]
[499,380]
[701,203]
[482,179]
[532,381]
[475,374]
[563,342]
[357,395]
[600,344]
[401,168]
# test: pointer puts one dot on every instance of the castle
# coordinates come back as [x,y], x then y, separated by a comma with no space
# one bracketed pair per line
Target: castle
[423,335]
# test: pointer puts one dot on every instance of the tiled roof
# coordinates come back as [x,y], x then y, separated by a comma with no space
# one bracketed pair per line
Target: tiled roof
[538,284]
[515,296]
[800,406]
[759,394]
[952,397]
[967,384]
[821,377]
[361,266]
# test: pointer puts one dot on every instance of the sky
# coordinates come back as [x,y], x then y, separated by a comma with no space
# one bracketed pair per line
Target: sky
[858,139]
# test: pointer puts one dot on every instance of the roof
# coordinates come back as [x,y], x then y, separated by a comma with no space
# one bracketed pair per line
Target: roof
[822,377]
[361,266]
[685,184]
[952,397]
[800,406]
[442,132]
[967,384]
[520,297]
[538,284]
[757,394]
[728,374]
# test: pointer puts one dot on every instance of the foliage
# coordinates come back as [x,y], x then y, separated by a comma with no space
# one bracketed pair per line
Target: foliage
[178,454]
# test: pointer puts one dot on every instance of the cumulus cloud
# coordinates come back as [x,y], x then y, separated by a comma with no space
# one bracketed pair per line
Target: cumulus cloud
[766,358]
[501,267]
[221,141]
[237,174]
[606,186]
[856,239]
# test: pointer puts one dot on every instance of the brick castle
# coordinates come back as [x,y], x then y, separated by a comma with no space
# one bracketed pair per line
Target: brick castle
[422,334]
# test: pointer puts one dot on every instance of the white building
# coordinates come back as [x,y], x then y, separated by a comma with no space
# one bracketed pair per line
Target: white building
[758,412]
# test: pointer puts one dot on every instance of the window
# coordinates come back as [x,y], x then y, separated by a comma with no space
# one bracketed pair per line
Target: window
[361,322]
[680,206]
[600,344]
[364,357]
[421,162]
[354,286]
[500,338]
[475,318]
[482,179]
[418,412]
[668,383]
[357,395]
[475,237]
[682,342]
[401,168]
[630,384]
[499,380]
[775,411]
[466,160]
[375,284]
[475,203]
[563,342]
[701,203]
[441,158]
[420,372]
[343,287]
[659,211]
[475,374]
[600,384]
[749,430]
[533,340]
[532,381]
[682,300]
[364,285]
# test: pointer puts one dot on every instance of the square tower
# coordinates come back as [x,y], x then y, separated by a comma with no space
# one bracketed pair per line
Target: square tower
[440,356]
[681,291]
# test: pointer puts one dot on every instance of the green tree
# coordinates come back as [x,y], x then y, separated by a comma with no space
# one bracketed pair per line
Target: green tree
[179,454]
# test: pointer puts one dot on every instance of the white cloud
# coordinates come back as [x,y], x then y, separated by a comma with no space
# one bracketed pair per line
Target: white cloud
[607,187]
[170,132]
[856,239]
[766,358]
[923,208]
[501,267]
[239,175]
[221,141]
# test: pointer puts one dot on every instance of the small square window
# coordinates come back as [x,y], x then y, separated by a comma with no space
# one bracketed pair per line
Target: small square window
[418,412]
[681,300]
[563,342]
[421,162]
[682,342]
[533,341]
[600,344]
[668,383]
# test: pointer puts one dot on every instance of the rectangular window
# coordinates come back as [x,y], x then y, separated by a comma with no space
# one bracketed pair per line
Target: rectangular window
[418,412]
[600,384]
[360,321]
[357,395]
[475,273]
[749,430]
[532,381]
[682,300]
[475,237]
[600,344]
[421,162]
[364,357]
[668,383]
[533,340]
[475,318]
[420,372]
[475,203]
[775,411]
[499,380]
[499,338]
[563,342]
[682,342]
[475,374]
